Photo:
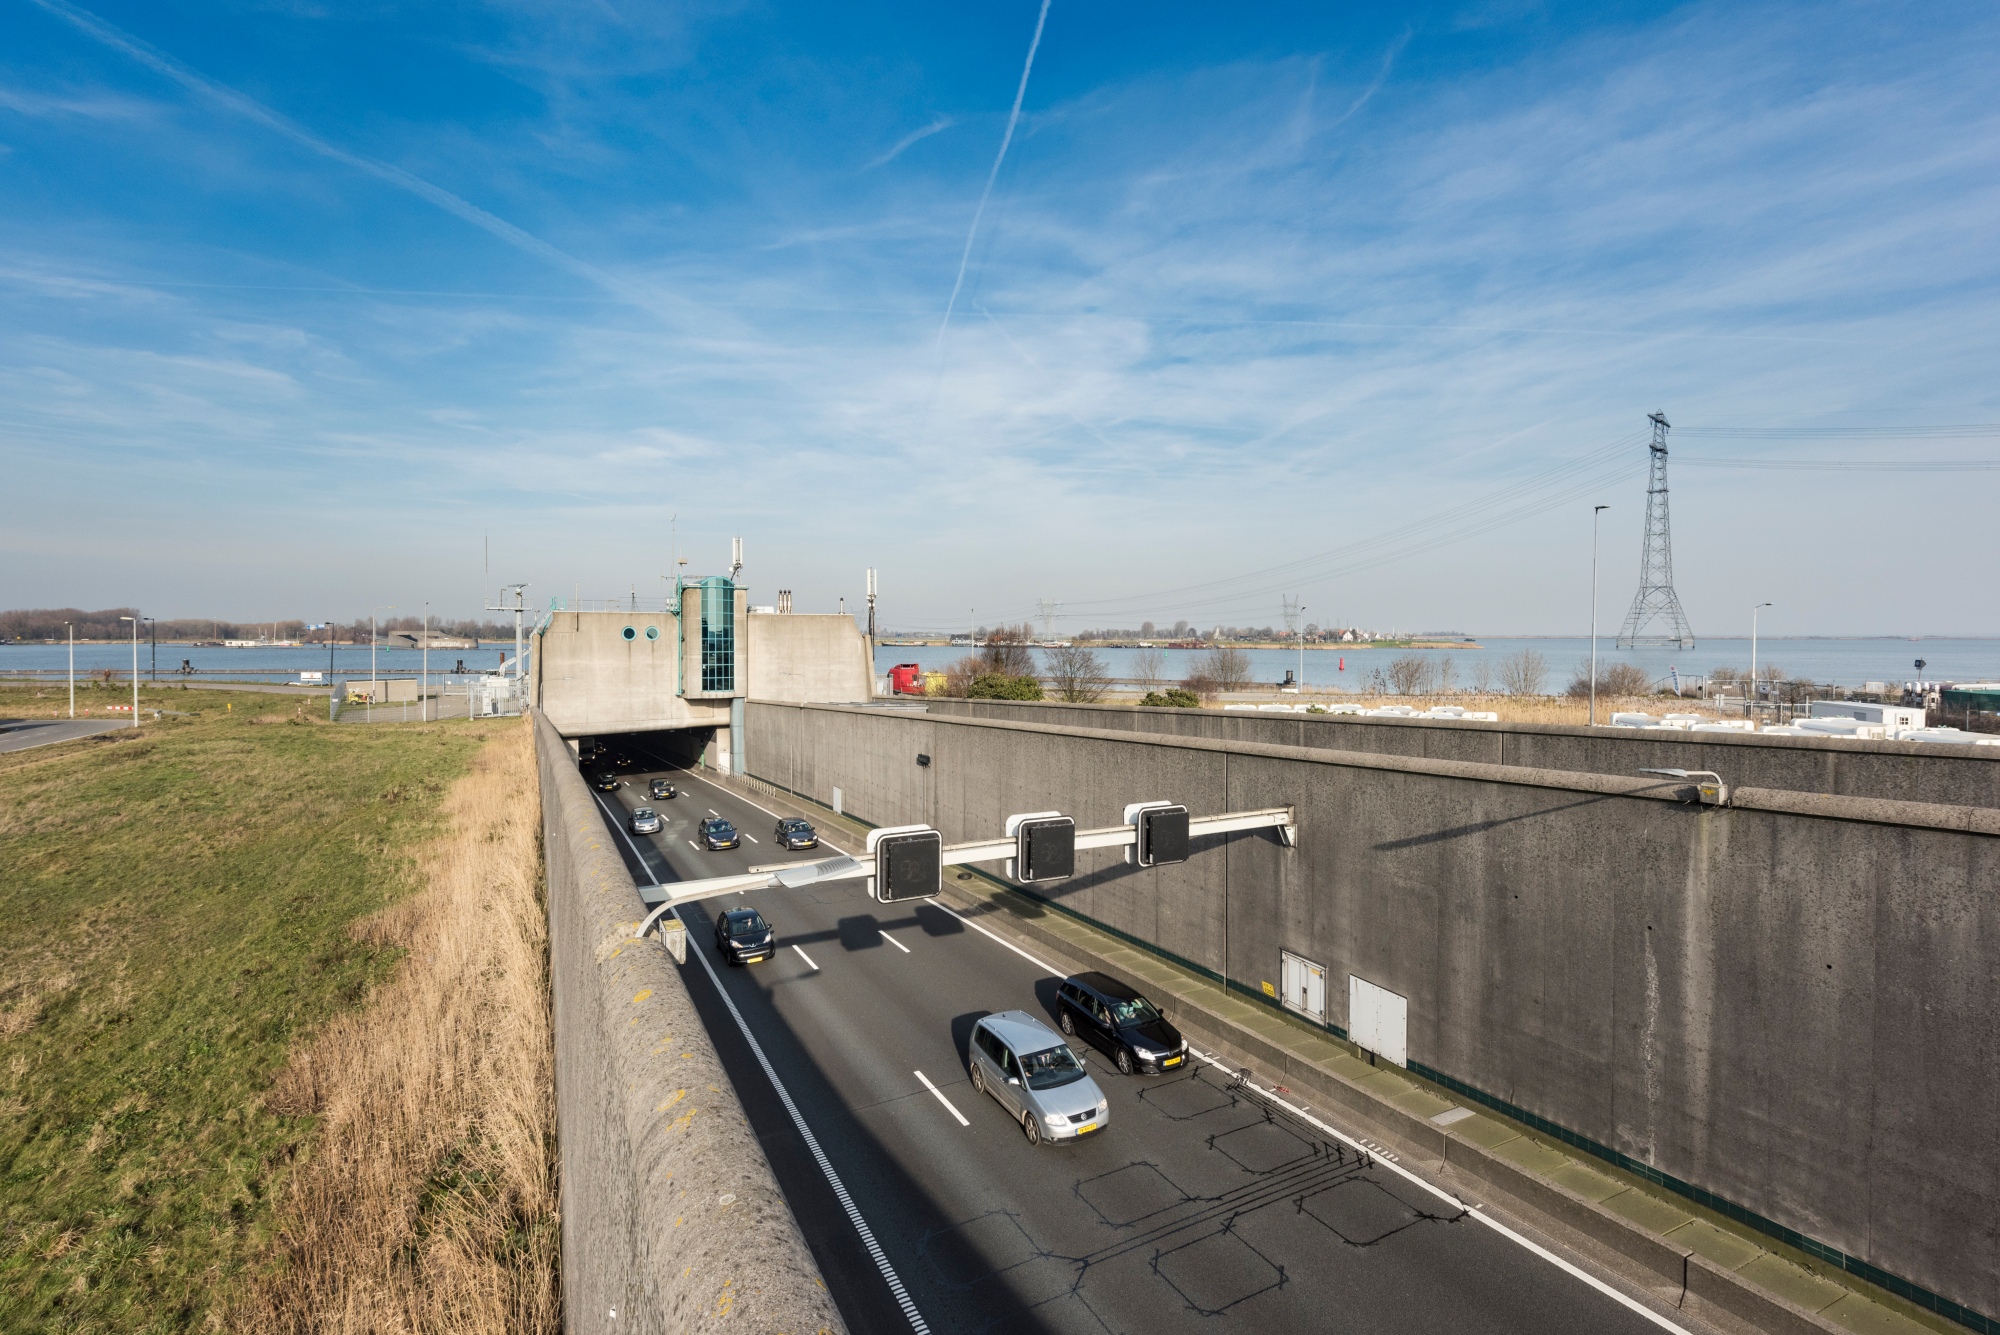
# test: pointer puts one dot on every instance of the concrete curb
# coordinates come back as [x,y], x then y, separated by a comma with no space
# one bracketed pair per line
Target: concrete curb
[671,1217]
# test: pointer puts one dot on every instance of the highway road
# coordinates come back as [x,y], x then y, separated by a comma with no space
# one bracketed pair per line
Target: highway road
[20,734]
[1202,1207]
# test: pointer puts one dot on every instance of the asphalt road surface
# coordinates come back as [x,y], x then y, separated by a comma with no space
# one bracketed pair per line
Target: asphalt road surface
[20,734]
[1201,1207]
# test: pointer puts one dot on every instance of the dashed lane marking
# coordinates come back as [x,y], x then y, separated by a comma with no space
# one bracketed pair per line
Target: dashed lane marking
[808,959]
[751,837]
[894,942]
[938,1094]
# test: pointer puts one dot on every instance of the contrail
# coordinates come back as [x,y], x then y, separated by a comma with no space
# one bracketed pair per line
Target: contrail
[941,123]
[1013,118]
[250,109]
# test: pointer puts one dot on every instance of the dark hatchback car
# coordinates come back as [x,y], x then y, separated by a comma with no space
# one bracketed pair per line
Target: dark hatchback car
[797,832]
[717,833]
[1111,1016]
[606,782]
[743,937]
[661,790]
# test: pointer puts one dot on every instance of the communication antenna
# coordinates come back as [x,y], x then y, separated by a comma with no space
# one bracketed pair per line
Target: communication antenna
[735,558]
[1656,599]
[871,602]
[1049,610]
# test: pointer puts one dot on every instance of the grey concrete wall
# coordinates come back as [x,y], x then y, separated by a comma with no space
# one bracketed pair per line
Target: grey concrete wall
[1899,771]
[671,1218]
[590,680]
[1791,1003]
[800,657]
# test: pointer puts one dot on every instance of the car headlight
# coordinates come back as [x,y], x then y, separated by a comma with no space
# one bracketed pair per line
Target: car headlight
[1055,1122]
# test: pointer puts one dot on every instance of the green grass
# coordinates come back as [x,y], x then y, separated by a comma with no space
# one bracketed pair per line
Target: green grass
[174,914]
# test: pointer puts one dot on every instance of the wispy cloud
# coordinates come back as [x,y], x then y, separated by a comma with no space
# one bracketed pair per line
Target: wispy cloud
[896,150]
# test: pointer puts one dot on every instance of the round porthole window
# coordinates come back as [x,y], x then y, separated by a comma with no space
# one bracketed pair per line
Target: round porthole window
[652,632]
[631,634]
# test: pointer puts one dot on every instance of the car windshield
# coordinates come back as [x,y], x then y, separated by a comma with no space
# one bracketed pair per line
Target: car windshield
[750,924]
[796,824]
[1136,1011]
[643,813]
[1051,1069]
[721,827]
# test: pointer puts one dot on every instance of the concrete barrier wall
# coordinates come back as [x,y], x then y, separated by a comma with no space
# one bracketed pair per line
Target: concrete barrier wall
[671,1219]
[1899,771]
[1790,1004]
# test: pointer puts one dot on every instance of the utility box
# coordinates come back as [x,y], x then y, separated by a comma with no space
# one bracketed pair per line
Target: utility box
[1378,1020]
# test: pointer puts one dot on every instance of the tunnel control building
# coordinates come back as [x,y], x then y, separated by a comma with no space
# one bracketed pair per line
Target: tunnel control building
[689,665]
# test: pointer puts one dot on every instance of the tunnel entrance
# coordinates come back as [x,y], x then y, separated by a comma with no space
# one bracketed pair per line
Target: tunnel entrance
[668,748]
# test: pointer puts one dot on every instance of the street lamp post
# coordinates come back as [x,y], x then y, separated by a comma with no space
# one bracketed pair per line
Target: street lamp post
[1302,651]
[1748,695]
[135,667]
[423,704]
[70,626]
[1594,513]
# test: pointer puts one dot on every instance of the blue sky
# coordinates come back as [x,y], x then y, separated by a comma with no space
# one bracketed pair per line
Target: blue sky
[299,303]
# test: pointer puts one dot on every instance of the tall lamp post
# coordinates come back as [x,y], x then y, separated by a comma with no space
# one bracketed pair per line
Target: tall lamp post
[373,680]
[1594,513]
[423,705]
[1751,693]
[1302,650]
[135,667]
[70,626]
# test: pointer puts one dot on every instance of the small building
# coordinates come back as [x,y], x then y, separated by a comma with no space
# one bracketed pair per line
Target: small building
[1892,717]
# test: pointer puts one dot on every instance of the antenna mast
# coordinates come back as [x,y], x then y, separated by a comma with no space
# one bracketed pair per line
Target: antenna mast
[871,602]
[1656,598]
[1049,610]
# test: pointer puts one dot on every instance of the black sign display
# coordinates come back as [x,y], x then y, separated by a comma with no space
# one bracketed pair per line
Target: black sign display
[1163,836]
[1045,849]
[909,866]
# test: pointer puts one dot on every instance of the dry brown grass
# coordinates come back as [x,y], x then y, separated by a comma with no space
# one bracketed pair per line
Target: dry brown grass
[428,1200]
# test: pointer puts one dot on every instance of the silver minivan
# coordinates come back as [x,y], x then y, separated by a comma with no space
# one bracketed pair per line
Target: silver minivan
[1027,1067]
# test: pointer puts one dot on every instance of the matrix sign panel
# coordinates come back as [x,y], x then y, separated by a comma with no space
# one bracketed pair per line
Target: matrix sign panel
[909,866]
[1045,849]
[1163,836]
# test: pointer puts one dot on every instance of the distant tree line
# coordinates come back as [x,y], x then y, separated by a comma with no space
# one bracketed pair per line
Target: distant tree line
[48,623]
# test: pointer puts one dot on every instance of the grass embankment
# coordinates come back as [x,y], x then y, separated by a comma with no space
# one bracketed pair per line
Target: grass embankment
[184,909]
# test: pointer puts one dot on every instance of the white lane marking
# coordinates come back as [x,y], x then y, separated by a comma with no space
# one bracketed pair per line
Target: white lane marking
[695,846]
[808,959]
[713,812]
[894,942]
[1472,1210]
[751,837]
[1039,964]
[861,1229]
[938,1094]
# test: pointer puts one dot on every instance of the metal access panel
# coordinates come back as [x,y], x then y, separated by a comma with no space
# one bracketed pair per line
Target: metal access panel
[1302,986]
[1378,1020]
[1163,836]
[1045,849]
[908,866]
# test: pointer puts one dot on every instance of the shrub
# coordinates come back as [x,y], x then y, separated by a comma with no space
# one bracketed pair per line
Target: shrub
[1613,679]
[1523,673]
[994,686]
[1227,668]
[1172,698]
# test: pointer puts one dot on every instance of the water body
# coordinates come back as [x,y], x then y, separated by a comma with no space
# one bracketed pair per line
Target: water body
[271,664]
[1839,662]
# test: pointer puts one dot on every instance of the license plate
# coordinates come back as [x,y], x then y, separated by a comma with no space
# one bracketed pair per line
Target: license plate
[1085,1130]
[1171,1061]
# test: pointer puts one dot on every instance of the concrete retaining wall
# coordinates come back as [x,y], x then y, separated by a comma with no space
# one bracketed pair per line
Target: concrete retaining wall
[671,1219]
[1790,1004]
[1901,771]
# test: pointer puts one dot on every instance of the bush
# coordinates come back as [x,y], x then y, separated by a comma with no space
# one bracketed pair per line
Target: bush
[1522,673]
[1613,679]
[1227,668]
[1173,698]
[1077,674]
[1201,686]
[994,686]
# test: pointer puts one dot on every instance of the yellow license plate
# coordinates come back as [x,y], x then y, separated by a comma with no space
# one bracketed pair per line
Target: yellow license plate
[1085,1129]
[1171,1061]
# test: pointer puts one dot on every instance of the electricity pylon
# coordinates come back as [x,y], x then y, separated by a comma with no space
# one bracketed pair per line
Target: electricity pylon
[1656,598]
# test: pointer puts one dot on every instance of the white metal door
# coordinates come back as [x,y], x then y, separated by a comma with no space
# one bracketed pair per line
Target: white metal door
[1302,986]
[1378,1020]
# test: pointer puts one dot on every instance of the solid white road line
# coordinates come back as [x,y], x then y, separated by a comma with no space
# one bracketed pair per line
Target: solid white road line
[1044,967]
[1452,1200]
[938,1094]
[861,1229]
[808,959]
[894,942]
